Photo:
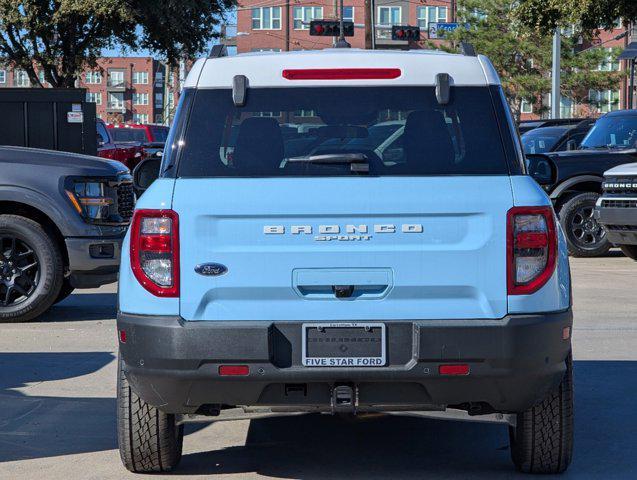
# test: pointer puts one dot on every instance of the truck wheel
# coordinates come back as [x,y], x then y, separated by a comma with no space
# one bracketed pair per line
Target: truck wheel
[630,251]
[149,439]
[66,290]
[584,235]
[542,441]
[31,269]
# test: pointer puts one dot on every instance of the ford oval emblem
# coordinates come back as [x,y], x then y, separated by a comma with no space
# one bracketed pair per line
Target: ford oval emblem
[211,269]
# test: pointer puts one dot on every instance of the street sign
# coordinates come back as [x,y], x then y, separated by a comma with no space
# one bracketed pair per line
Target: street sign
[438,30]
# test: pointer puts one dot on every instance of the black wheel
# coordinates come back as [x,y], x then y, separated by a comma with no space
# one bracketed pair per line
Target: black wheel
[66,290]
[584,235]
[30,269]
[630,251]
[149,440]
[542,441]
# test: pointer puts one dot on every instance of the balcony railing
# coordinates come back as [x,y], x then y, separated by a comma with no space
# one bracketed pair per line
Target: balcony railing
[116,84]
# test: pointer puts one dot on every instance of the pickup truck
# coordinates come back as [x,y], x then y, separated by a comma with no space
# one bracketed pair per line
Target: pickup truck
[62,220]
[579,176]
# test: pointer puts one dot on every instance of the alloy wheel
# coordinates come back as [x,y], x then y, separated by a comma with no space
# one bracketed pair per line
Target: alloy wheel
[19,271]
[587,232]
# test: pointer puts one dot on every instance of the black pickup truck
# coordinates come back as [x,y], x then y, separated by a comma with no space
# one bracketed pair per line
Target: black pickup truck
[62,220]
[579,176]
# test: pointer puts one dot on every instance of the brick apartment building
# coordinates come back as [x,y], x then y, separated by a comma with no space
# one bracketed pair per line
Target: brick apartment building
[124,89]
[262,27]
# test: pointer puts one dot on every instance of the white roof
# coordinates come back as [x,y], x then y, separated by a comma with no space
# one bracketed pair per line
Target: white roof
[418,67]
[626,169]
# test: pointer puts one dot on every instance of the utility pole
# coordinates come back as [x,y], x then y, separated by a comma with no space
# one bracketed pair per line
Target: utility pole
[287,25]
[555,75]
[369,28]
[342,43]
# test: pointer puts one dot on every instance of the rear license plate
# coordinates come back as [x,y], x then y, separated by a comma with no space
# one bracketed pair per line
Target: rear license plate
[344,344]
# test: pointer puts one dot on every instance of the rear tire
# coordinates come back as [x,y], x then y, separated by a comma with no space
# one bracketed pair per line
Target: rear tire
[149,439]
[542,441]
[584,235]
[630,251]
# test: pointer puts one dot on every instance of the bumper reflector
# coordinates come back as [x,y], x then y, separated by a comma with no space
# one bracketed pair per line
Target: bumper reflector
[457,369]
[122,336]
[234,370]
[566,333]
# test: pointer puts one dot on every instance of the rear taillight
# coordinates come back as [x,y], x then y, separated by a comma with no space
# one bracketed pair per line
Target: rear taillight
[531,248]
[154,251]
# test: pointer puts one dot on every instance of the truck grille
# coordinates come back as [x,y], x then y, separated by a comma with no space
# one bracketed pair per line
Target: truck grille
[606,203]
[620,185]
[125,201]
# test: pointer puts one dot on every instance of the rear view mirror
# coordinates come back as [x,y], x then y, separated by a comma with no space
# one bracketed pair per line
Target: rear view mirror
[542,169]
[145,173]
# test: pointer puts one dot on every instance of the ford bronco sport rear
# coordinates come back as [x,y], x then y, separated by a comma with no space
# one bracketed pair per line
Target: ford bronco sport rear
[287,258]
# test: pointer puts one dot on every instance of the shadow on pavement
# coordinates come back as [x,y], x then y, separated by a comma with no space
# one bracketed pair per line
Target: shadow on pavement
[320,447]
[85,306]
[36,426]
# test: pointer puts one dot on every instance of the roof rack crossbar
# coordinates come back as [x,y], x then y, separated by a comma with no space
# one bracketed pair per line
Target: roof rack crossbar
[218,51]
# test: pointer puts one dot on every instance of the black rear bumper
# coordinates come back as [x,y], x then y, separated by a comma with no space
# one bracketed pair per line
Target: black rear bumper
[514,362]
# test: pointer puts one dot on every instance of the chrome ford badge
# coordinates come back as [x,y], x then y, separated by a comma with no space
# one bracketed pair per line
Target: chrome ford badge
[211,269]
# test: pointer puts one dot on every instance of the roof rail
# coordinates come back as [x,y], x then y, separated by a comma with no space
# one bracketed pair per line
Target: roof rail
[467,49]
[218,51]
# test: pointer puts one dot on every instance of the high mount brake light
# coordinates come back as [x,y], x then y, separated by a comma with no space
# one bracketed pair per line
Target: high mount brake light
[154,251]
[342,74]
[531,248]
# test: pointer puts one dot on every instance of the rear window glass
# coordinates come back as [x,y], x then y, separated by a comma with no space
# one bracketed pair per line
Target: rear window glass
[325,131]
[128,134]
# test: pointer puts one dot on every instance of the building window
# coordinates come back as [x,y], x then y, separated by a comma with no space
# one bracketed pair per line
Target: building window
[304,15]
[604,100]
[3,76]
[140,118]
[348,14]
[140,99]
[266,18]
[93,77]
[21,79]
[159,100]
[610,64]
[159,79]
[526,106]
[171,100]
[141,78]
[116,100]
[159,118]
[94,97]
[116,78]
[389,15]
[427,15]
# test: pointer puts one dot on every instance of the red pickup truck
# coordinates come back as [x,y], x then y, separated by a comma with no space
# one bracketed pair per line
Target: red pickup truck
[129,154]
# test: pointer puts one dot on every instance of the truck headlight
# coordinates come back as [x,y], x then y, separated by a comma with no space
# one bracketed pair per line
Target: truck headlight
[96,200]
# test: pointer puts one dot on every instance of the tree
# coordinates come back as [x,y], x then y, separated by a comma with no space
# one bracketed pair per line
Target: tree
[546,15]
[60,38]
[522,56]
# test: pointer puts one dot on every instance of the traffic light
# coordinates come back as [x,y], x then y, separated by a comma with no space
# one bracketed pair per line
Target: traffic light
[405,33]
[331,28]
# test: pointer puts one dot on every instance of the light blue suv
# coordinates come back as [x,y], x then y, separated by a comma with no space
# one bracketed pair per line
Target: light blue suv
[344,231]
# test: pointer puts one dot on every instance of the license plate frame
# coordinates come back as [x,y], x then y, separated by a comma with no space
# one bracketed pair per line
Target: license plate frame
[344,361]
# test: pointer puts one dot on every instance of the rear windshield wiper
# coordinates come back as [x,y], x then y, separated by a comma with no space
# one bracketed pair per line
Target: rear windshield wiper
[358,161]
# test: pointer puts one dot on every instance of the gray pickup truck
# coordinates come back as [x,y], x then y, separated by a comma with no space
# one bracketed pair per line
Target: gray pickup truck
[62,220]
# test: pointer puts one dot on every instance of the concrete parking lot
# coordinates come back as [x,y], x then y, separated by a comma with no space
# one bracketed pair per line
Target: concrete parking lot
[57,406]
